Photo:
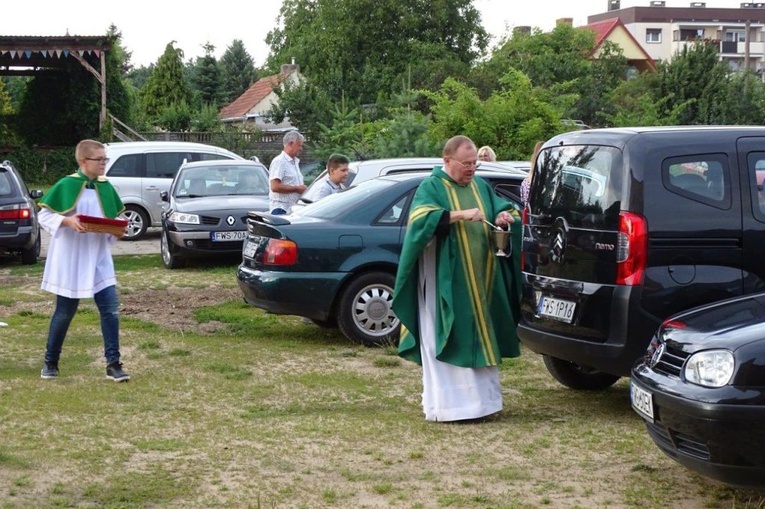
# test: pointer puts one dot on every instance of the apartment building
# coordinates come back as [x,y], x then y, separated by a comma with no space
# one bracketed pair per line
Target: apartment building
[663,30]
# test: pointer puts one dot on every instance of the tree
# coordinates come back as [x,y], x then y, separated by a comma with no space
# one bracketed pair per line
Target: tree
[237,72]
[362,48]
[205,77]
[166,85]
[6,110]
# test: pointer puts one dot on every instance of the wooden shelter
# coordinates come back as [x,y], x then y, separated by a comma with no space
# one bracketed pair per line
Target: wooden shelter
[22,55]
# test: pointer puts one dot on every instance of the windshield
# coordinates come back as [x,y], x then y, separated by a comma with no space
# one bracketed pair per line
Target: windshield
[337,204]
[221,180]
[581,183]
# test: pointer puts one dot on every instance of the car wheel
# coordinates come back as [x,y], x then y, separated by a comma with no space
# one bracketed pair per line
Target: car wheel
[365,314]
[30,256]
[169,260]
[578,377]
[138,222]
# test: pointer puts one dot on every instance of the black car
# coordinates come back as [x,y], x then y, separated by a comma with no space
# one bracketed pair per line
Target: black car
[206,208]
[334,261]
[625,227]
[19,229]
[701,390]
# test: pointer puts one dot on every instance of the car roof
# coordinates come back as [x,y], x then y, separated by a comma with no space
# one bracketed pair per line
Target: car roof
[491,174]
[129,146]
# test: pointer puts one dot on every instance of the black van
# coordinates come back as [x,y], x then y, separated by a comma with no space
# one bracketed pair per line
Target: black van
[625,227]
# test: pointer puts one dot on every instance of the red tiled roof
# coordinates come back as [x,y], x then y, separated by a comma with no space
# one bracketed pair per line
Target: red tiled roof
[604,28]
[252,96]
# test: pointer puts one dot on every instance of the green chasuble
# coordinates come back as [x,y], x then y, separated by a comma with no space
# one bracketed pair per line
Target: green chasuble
[62,197]
[478,293]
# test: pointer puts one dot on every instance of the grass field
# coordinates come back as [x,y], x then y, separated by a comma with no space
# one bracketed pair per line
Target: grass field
[231,407]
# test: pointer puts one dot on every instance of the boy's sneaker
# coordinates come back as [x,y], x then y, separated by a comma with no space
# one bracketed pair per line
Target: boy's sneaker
[114,372]
[49,370]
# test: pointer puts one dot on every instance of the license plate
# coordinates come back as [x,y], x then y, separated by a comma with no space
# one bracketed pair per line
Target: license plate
[249,249]
[557,309]
[642,401]
[228,236]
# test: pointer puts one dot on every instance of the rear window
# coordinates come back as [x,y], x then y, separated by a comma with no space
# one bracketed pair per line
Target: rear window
[338,204]
[6,188]
[580,183]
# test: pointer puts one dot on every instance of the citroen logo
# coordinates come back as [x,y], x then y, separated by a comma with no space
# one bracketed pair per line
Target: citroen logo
[656,357]
[230,220]
[558,241]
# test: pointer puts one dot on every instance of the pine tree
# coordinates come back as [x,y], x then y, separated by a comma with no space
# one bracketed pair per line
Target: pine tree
[167,84]
[207,77]
[237,71]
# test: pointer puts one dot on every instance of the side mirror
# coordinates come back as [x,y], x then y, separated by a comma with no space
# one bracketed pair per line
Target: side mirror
[164,196]
[36,194]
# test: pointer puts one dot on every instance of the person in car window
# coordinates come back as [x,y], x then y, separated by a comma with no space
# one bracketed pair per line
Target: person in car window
[457,302]
[486,153]
[337,173]
[526,184]
[79,264]
[284,175]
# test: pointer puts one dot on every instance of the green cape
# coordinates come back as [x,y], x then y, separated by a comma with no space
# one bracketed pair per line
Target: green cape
[478,293]
[63,196]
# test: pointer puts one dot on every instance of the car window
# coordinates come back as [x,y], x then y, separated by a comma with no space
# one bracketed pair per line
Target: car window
[5,184]
[392,215]
[127,166]
[221,180]
[756,164]
[579,182]
[337,204]
[165,164]
[701,178]
[205,156]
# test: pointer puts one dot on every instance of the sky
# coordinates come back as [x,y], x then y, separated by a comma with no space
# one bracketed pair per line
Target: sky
[147,26]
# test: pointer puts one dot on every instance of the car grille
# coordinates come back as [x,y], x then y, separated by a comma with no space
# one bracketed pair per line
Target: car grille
[685,444]
[210,220]
[671,361]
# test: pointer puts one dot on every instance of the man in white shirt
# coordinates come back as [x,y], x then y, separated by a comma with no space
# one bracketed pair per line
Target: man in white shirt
[337,173]
[284,175]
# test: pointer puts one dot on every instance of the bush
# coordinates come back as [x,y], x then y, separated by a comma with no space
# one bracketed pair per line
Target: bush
[41,166]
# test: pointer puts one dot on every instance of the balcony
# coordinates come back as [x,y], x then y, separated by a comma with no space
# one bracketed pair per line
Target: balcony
[732,48]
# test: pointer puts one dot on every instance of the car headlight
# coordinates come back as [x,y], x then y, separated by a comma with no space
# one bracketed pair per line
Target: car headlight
[183,218]
[711,368]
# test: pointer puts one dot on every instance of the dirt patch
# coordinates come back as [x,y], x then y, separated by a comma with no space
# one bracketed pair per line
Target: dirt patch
[173,308]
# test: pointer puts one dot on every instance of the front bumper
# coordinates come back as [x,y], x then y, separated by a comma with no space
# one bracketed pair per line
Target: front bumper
[308,294]
[716,432]
[199,243]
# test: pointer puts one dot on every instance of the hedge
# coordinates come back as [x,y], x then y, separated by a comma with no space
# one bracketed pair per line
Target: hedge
[41,167]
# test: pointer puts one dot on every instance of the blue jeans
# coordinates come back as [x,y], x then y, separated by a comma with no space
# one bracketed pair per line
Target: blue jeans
[278,212]
[108,308]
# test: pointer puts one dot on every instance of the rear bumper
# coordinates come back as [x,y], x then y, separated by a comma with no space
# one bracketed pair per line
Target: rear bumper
[308,294]
[723,441]
[24,238]
[629,328]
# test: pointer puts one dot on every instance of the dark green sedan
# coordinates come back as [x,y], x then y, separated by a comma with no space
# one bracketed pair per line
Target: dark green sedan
[334,261]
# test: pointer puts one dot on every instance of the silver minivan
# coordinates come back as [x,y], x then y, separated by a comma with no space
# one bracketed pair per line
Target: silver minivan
[141,170]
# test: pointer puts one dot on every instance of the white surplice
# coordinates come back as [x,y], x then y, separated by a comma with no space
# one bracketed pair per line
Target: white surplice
[450,393]
[77,265]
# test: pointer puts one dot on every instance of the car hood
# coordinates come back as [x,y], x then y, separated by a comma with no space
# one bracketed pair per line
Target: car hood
[210,203]
[727,324]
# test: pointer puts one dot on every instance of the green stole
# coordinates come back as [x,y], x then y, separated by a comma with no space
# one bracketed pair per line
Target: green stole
[62,197]
[478,294]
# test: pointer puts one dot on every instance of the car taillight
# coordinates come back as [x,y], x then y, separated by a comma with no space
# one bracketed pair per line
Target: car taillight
[280,252]
[632,249]
[14,212]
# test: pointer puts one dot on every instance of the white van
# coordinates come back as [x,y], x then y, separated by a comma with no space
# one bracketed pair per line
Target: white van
[141,170]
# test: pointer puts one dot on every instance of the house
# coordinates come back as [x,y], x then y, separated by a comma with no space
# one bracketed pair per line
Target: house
[613,30]
[250,108]
[664,30]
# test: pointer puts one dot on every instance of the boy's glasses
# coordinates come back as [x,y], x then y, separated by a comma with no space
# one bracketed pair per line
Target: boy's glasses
[100,160]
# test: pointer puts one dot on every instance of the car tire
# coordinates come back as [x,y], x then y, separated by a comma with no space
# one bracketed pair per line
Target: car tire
[578,377]
[169,260]
[138,222]
[30,256]
[365,314]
